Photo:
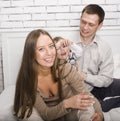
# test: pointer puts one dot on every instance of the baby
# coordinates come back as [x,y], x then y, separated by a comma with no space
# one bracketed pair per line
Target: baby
[67,50]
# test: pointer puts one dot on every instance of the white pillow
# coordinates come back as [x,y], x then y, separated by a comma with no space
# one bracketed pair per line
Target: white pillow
[6,106]
[116,58]
[7,97]
[6,114]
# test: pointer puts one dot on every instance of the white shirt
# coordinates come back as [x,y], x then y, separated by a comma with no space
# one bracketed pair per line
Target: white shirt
[97,62]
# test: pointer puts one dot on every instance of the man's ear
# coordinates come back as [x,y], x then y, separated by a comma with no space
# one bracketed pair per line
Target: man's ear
[100,25]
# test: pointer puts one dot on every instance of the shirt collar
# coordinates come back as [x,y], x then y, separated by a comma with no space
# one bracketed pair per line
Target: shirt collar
[95,41]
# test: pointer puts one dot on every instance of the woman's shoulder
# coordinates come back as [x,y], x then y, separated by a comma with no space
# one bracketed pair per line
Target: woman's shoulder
[71,75]
[69,71]
[68,66]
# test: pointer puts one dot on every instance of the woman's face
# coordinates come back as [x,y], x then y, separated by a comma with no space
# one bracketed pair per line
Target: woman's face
[62,51]
[45,51]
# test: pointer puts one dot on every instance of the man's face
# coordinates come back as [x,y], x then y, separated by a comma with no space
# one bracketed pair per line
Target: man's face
[89,24]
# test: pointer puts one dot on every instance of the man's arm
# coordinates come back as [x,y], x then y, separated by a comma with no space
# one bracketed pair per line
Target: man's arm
[105,71]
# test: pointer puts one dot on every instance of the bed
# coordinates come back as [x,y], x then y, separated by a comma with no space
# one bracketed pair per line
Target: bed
[12,48]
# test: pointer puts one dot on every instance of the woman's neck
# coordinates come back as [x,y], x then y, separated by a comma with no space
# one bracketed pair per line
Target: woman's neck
[44,71]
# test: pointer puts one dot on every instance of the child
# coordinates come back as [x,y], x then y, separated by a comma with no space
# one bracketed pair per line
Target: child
[67,50]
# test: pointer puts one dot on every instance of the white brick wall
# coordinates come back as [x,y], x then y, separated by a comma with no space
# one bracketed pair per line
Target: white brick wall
[24,15]
[18,14]
[1,70]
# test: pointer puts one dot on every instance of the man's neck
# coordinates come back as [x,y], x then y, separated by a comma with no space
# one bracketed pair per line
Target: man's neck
[86,41]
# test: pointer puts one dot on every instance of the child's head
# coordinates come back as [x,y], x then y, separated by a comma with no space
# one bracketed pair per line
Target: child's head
[62,50]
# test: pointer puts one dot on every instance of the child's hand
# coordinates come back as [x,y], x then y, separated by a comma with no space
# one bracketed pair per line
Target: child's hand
[97,117]
[65,42]
[83,75]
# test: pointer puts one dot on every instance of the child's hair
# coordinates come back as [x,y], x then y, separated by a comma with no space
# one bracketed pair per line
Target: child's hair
[56,39]
[71,57]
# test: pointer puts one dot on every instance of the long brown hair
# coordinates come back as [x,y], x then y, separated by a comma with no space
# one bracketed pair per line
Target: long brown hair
[26,85]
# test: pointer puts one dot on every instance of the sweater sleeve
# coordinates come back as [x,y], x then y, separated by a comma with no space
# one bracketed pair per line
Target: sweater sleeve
[74,80]
[79,86]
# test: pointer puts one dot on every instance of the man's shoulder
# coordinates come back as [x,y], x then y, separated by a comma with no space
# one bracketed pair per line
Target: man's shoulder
[103,46]
[100,39]
[102,42]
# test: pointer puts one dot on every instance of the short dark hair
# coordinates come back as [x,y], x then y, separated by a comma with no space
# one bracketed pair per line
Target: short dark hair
[95,9]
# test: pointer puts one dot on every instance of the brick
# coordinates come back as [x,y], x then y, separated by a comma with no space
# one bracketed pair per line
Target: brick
[118,7]
[4,3]
[3,18]
[11,10]
[11,24]
[93,1]
[118,22]
[34,9]
[108,8]
[112,1]
[69,2]
[46,2]
[20,17]
[77,8]
[75,23]
[57,23]
[19,3]
[67,16]
[34,24]
[110,22]
[112,15]
[43,16]
[58,9]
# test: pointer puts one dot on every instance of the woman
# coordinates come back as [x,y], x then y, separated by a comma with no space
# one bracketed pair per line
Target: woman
[52,87]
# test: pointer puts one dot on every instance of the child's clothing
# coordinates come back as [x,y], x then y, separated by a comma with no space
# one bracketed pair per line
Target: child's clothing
[74,55]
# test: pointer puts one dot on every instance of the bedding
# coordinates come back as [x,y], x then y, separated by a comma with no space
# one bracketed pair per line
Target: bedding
[7,99]
[6,113]
[6,106]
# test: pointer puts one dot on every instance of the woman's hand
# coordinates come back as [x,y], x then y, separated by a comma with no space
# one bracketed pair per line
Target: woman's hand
[80,101]
[97,117]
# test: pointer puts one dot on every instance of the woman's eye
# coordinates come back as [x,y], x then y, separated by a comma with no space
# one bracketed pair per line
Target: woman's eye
[41,49]
[52,46]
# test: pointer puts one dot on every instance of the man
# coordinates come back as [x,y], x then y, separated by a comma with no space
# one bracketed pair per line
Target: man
[96,61]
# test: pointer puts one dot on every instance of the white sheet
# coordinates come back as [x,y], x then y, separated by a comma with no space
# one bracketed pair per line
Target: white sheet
[7,99]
